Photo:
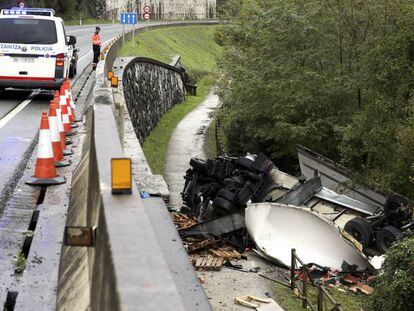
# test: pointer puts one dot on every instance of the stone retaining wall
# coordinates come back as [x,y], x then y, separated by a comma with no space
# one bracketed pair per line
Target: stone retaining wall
[151,88]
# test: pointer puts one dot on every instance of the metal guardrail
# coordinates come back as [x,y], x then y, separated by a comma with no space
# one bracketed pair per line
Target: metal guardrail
[303,290]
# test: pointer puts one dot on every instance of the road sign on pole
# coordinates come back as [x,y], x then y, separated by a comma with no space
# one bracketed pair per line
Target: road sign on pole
[146,16]
[129,19]
[147,9]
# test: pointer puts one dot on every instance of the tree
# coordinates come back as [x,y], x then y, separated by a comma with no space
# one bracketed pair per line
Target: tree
[333,75]
[394,289]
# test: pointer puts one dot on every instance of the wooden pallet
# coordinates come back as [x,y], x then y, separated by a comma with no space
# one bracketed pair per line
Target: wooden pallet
[196,246]
[183,222]
[224,253]
[209,263]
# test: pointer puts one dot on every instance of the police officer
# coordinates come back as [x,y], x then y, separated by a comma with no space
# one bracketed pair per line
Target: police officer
[96,46]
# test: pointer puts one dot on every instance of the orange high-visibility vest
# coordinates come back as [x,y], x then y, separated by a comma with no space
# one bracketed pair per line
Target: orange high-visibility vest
[96,39]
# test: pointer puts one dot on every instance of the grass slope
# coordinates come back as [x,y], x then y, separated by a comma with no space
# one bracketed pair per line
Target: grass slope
[198,52]
[195,44]
[290,302]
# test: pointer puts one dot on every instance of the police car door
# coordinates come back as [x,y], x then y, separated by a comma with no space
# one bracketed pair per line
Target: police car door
[28,48]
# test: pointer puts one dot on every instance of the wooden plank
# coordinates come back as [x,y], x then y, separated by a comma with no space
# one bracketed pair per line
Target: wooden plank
[209,261]
[199,262]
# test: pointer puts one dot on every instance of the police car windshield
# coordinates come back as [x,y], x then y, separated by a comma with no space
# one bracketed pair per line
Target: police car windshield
[27,31]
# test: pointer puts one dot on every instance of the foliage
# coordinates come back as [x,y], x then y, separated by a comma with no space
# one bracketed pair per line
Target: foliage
[394,290]
[20,263]
[210,147]
[71,9]
[333,75]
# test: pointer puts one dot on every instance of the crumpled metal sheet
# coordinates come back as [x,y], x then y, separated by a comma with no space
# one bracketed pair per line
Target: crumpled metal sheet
[348,202]
[277,228]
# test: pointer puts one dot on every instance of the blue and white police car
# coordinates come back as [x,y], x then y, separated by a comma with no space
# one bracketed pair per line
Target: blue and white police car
[34,49]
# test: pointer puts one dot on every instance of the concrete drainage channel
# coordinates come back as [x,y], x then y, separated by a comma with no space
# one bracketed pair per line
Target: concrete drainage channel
[37,249]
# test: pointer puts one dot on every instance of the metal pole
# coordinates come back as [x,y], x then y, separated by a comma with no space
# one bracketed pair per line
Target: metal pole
[320,298]
[123,34]
[80,22]
[292,270]
[305,288]
[133,35]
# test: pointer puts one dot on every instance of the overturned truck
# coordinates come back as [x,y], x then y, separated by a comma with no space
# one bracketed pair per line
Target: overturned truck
[218,191]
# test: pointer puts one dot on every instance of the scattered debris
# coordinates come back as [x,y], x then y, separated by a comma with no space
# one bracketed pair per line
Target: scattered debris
[235,203]
[363,288]
[208,263]
[206,252]
[225,253]
[257,303]
[183,222]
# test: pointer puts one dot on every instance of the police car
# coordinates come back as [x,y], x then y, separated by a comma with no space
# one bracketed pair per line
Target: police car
[34,49]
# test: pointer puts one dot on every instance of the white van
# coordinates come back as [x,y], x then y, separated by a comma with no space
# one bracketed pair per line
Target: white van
[34,49]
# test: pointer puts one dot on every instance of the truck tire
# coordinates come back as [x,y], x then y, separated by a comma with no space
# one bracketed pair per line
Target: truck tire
[361,230]
[223,206]
[244,163]
[386,236]
[229,196]
[199,165]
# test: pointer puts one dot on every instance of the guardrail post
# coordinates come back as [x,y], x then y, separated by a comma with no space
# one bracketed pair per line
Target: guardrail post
[305,287]
[292,269]
[320,298]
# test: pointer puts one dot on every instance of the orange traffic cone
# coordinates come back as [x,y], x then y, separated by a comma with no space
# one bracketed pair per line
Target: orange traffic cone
[70,104]
[66,122]
[55,136]
[63,139]
[45,172]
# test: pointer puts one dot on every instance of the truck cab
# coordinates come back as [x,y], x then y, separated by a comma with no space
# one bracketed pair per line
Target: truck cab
[34,49]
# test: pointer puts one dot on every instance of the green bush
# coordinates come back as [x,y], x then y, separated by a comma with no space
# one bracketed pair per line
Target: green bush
[394,288]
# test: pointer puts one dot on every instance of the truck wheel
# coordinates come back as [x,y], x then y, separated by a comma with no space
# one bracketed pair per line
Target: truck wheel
[229,196]
[386,237]
[244,163]
[223,206]
[360,229]
[199,165]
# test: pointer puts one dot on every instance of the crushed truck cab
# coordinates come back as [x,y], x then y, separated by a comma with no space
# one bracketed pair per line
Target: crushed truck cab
[34,49]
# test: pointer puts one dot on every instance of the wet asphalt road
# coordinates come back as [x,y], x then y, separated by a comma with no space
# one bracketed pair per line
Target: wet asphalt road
[20,110]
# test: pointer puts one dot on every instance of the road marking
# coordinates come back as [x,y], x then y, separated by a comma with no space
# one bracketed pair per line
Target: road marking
[92,51]
[16,110]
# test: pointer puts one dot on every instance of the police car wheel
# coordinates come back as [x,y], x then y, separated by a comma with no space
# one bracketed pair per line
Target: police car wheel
[72,71]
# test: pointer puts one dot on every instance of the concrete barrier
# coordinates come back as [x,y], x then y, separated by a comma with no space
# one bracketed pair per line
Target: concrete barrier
[139,261]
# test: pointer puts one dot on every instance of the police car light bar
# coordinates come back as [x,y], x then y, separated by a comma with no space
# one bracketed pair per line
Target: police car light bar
[28,11]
